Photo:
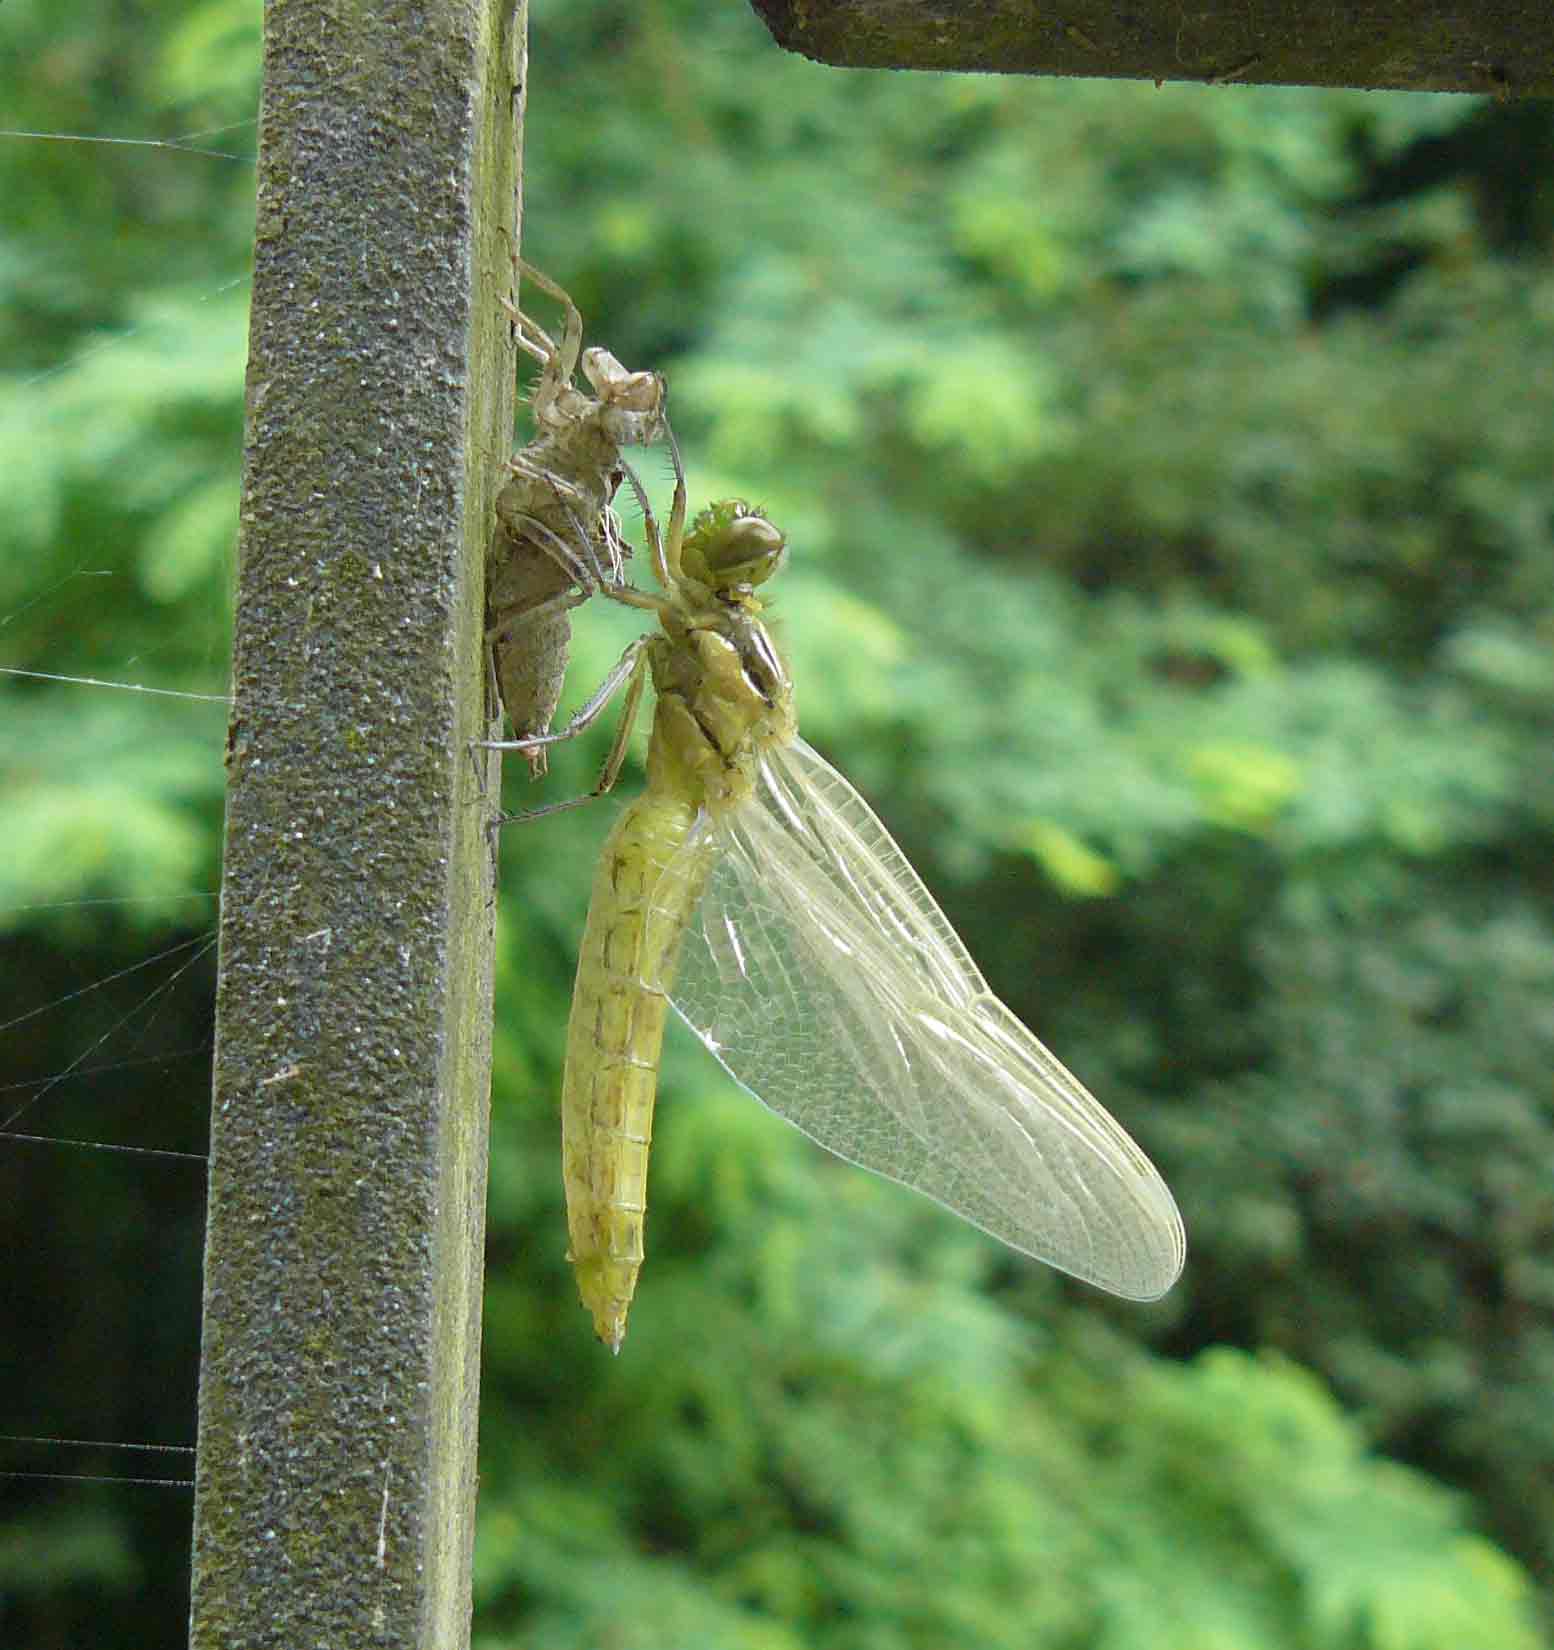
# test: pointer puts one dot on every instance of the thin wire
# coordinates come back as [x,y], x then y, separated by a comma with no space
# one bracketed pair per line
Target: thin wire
[99,1478]
[129,1014]
[98,1443]
[123,687]
[102,1478]
[103,1146]
[181,145]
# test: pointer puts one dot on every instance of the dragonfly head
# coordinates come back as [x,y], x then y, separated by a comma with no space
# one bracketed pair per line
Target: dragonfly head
[731,544]
[631,404]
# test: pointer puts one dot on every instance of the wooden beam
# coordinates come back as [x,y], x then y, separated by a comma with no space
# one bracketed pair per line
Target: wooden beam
[1503,47]
[339,1376]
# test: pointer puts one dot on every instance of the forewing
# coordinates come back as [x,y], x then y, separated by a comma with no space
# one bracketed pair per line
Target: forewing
[823,976]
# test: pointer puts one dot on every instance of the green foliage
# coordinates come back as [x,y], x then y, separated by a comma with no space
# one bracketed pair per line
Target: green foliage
[123,339]
[870,1452]
[1421,1040]
[1297,1530]
[1170,486]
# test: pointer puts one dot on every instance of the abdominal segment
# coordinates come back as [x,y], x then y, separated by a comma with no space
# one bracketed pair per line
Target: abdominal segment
[636,921]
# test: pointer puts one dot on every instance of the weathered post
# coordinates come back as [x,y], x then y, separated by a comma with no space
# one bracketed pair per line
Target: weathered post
[339,1377]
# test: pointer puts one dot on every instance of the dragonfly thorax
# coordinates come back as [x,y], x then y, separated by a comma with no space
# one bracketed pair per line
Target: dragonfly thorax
[724,697]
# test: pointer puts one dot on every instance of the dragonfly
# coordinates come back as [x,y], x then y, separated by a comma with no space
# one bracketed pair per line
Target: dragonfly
[751,887]
[557,540]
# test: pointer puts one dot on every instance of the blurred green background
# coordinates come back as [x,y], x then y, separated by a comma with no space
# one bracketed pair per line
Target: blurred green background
[1170,480]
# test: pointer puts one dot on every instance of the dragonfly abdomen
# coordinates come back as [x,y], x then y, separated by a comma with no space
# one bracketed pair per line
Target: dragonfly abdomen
[636,920]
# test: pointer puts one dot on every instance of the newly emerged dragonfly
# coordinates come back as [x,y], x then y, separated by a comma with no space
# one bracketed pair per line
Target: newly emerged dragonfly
[557,541]
[752,887]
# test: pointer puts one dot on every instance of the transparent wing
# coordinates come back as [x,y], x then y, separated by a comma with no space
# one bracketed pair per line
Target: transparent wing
[822,975]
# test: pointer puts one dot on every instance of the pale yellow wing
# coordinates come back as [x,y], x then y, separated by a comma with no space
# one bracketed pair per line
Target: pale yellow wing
[821,973]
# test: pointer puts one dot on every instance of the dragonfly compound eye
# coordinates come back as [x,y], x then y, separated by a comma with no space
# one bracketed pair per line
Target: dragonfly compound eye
[732,543]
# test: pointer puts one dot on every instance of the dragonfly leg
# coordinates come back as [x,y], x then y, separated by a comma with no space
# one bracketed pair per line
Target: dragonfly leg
[559,361]
[665,549]
[615,586]
[530,336]
[595,571]
[633,663]
[586,715]
[671,551]
[582,566]
[535,342]
[536,475]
